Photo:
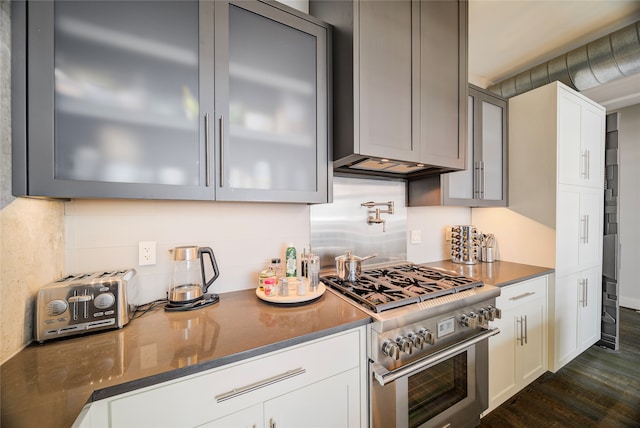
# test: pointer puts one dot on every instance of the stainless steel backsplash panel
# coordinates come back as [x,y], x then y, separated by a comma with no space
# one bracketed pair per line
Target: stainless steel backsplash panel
[342,224]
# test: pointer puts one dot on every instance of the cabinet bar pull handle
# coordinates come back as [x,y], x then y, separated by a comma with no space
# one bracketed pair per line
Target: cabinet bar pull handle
[584,164]
[586,292]
[588,165]
[526,331]
[521,338]
[523,295]
[221,151]
[583,221]
[260,384]
[481,179]
[476,179]
[586,228]
[207,150]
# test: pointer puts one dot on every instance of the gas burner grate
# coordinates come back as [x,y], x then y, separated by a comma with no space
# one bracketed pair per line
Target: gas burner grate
[390,287]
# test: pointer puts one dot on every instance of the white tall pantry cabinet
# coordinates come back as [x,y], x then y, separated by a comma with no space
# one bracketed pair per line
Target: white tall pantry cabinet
[556,178]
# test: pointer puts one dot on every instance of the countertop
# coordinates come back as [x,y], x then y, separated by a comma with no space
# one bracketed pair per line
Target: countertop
[498,273]
[47,385]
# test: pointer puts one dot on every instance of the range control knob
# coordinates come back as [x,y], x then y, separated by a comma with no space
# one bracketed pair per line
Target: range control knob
[429,337]
[469,320]
[494,312]
[405,344]
[391,349]
[417,339]
[483,316]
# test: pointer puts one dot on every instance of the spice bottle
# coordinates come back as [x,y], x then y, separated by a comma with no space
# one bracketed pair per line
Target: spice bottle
[291,261]
[276,266]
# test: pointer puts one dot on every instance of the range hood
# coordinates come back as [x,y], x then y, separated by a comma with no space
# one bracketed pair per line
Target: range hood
[397,113]
[359,165]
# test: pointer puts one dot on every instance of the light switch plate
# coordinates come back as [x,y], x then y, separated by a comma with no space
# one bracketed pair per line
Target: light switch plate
[416,236]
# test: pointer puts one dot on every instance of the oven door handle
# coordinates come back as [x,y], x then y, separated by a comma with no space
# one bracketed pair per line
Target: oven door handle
[384,376]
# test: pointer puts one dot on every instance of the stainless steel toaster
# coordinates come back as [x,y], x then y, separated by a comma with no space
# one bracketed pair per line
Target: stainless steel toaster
[82,303]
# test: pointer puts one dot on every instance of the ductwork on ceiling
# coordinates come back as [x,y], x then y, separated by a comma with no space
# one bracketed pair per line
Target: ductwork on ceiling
[605,59]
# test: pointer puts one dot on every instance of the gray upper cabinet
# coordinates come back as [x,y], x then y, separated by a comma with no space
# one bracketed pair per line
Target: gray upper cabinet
[122,100]
[116,99]
[484,181]
[400,85]
[271,104]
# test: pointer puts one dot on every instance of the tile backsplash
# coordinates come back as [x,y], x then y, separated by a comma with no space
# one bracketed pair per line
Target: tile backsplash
[104,235]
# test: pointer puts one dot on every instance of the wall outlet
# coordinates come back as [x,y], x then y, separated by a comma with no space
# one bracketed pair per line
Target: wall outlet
[147,253]
[416,236]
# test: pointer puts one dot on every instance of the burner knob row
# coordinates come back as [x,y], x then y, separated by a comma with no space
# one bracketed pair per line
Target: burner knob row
[482,317]
[406,344]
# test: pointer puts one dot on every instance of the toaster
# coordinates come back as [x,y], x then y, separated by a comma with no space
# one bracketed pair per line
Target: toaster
[82,303]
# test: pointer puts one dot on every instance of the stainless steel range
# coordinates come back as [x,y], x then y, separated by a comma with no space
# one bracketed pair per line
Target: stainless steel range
[427,345]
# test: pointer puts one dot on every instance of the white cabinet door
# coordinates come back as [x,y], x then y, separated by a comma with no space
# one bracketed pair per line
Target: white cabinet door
[593,140]
[328,403]
[577,314]
[565,325]
[589,308]
[518,355]
[568,229]
[581,141]
[247,418]
[590,242]
[578,228]
[310,374]
[531,349]
[502,359]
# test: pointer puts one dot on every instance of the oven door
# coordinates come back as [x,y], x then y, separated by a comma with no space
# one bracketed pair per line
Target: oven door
[445,389]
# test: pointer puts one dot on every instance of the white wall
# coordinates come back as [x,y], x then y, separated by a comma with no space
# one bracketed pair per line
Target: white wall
[31,233]
[629,198]
[519,239]
[431,223]
[104,235]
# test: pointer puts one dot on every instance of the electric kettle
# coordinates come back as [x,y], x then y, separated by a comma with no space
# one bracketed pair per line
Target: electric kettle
[189,283]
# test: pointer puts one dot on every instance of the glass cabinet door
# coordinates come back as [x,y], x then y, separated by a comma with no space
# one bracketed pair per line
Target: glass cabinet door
[129,102]
[271,100]
[484,181]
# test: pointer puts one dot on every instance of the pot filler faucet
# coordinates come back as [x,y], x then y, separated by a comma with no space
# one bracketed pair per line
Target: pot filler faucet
[377,211]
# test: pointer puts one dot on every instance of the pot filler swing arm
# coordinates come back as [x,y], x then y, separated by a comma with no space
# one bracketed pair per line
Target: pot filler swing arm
[377,211]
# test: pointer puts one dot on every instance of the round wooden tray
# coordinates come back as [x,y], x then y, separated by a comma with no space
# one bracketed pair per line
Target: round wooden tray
[292,298]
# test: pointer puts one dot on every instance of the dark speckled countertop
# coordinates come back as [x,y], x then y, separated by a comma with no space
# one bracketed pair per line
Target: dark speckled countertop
[498,273]
[47,385]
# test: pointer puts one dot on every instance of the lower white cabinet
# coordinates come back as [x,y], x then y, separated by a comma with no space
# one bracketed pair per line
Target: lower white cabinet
[518,355]
[319,383]
[577,314]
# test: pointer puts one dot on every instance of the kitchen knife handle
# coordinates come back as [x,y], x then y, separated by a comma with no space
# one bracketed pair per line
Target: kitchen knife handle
[207,150]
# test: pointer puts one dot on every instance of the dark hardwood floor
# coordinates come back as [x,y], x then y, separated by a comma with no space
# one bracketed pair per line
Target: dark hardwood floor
[599,388]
